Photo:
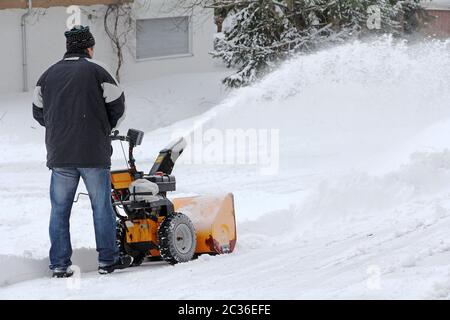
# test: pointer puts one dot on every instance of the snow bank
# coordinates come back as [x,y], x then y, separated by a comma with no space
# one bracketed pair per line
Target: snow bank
[417,191]
[21,268]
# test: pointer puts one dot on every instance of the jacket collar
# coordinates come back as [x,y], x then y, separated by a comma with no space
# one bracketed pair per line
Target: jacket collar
[75,56]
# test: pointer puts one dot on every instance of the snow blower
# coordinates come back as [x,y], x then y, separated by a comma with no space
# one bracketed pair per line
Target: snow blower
[150,225]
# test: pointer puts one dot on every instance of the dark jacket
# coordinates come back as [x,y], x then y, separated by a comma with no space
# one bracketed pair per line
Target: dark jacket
[78,102]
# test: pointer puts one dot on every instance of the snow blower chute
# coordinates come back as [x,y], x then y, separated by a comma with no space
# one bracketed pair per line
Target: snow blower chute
[150,225]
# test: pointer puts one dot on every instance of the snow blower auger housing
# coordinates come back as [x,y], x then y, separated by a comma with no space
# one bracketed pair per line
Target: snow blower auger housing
[150,225]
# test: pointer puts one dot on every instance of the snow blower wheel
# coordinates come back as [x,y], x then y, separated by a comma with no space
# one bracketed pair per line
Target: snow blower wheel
[177,239]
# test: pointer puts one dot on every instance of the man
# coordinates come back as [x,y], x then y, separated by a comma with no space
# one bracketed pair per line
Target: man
[79,102]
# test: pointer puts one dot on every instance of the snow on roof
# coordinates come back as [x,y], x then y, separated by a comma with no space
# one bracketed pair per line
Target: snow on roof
[436,4]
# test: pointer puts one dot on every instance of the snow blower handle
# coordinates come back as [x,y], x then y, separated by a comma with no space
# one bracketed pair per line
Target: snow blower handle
[134,137]
[115,136]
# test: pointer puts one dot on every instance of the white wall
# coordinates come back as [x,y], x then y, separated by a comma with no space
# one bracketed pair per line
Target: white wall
[46,44]
[436,4]
[203,37]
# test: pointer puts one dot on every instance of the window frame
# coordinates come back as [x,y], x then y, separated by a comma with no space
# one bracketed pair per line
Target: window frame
[190,52]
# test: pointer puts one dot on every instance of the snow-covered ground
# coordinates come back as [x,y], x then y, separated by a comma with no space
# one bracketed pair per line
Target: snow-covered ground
[359,208]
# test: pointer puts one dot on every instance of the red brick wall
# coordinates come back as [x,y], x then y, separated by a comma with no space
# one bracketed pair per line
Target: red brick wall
[439,27]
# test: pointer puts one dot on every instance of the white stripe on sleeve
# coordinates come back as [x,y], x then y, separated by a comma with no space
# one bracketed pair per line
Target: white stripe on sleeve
[111,92]
[37,97]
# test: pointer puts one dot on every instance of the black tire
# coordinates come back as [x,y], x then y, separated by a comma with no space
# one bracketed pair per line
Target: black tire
[120,237]
[177,239]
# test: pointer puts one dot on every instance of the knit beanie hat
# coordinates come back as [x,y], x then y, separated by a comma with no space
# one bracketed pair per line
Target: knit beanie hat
[79,38]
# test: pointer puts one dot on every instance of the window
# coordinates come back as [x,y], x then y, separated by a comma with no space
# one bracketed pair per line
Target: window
[163,37]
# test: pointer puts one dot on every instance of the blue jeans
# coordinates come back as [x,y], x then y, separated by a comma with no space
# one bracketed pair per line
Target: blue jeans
[63,186]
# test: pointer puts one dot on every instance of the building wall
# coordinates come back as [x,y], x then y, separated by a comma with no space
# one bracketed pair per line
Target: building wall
[203,28]
[46,43]
[439,27]
[12,4]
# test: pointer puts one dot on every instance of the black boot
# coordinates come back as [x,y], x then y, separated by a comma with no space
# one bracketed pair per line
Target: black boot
[60,273]
[124,262]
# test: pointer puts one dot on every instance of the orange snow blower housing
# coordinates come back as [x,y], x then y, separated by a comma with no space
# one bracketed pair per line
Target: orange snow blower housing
[150,225]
